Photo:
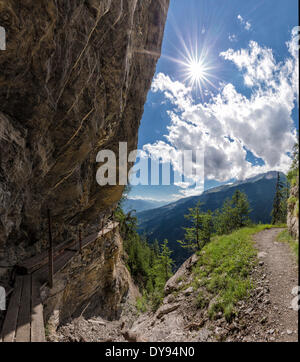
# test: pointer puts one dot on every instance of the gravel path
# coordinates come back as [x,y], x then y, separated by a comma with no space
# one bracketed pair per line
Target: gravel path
[281,269]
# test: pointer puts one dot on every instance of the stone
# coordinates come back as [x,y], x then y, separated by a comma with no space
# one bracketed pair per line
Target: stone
[97,283]
[165,309]
[293,211]
[171,298]
[74,81]
[175,281]
[189,291]
[221,331]
[77,83]
[262,254]
[263,320]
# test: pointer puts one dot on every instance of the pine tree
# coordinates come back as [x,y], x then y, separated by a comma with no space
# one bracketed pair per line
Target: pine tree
[165,261]
[150,266]
[241,209]
[199,233]
[277,203]
[284,201]
[233,215]
[224,221]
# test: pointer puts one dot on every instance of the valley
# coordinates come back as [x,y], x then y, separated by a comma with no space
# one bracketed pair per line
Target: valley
[109,111]
[167,222]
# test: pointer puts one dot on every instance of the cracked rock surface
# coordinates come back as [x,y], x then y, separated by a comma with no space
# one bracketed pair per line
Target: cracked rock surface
[73,81]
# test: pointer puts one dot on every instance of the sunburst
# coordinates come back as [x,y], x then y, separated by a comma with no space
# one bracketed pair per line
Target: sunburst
[197,73]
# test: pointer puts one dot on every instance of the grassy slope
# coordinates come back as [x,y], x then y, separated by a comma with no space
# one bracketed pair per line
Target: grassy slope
[222,274]
[285,237]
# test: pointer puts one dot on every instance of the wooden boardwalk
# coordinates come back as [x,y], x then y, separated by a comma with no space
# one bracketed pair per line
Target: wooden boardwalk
[24,321]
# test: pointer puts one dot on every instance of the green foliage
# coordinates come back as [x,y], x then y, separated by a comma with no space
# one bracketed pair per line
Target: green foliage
[233,215]
[149,265]
[292,200]
[293,173]
[202,301]
[279,211]
[223,270]
[141,303]
[296,210]
[200,231]
[285,237]
[293,177]
[165,262]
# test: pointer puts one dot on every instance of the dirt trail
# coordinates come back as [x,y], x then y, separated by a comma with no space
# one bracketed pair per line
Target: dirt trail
[281,270]
[267,316]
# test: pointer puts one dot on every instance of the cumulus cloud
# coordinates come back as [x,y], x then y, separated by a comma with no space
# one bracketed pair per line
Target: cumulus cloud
[231,125]
[257,64]
[246,24]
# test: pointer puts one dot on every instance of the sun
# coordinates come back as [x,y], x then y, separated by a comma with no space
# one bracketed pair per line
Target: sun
[197,63]
[196,70]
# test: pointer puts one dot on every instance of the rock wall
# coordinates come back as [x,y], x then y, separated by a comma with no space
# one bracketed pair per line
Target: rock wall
[293,210]
[73,81]
[94,283]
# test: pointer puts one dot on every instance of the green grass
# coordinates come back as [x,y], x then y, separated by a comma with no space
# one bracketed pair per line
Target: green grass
[285,237]
[223,271]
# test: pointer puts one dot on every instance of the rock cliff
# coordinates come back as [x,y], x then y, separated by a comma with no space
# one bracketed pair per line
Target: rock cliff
[94,283]
[73,81]
[293,210]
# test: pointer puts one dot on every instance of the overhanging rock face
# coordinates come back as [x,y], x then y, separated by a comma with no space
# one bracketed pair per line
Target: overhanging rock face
[73,80]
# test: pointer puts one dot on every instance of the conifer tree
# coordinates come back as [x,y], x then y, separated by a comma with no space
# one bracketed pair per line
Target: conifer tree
[199,233]
[241,209]
[165,261]
[277,203]
[233,215]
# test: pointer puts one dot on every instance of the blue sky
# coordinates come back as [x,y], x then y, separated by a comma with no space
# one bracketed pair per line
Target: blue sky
[245,111]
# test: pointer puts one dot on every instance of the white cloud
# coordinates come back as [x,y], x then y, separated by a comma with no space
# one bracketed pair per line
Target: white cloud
[173,197]
[246,24]
[143,198]
[232,38]
[231,124]
[257,64]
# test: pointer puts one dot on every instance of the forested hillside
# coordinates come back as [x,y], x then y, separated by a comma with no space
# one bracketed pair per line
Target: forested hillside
[167,222]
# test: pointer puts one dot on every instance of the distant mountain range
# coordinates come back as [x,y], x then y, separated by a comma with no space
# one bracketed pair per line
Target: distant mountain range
[166,222]
[140,205]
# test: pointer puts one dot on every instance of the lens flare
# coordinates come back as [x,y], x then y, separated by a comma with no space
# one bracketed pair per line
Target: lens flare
[196,68]
[196,73]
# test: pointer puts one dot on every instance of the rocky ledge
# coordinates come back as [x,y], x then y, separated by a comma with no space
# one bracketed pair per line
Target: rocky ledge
[73,81]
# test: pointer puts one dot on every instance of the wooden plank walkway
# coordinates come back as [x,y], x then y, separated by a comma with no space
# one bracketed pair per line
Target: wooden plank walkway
[24,321]
[10,323]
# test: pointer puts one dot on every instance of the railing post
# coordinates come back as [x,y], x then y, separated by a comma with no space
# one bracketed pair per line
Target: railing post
[50,251]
